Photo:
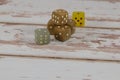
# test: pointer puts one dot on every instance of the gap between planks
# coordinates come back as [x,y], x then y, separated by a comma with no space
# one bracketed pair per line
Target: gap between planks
[60,58]
[45,25]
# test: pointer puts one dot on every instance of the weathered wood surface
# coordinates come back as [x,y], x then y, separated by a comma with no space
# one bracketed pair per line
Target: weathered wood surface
[86,43]
[99,13]
[43,69]
[92,53]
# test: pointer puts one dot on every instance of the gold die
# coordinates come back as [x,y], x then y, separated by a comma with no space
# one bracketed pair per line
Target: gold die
[79,18]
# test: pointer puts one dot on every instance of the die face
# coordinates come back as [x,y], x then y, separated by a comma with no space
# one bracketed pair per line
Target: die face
[62,33]
[50,26]
[71,23]
[60,17]
[42,36]
[79,18]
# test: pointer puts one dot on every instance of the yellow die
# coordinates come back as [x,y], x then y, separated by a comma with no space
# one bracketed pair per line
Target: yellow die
[79,18]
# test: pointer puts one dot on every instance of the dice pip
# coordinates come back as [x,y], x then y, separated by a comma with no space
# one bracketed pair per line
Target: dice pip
[79,18]
[42,36]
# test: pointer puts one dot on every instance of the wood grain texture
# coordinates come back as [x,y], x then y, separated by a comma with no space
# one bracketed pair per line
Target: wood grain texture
[99,13]
[99,40]
[45,69]
[86,43]
[92,53]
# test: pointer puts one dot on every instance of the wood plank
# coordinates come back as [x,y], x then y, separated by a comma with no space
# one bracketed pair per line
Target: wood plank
[86,43]
[43,69]
[99,13]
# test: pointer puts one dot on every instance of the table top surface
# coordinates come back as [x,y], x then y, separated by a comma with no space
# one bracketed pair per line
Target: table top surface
[92,53]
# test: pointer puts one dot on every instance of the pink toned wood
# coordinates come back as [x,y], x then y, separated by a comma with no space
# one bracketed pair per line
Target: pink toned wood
[99,40]
[99,13]
[92,53]
[86,43]
[52,69]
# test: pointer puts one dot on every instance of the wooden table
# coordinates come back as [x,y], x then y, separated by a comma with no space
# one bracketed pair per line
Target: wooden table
[92,53]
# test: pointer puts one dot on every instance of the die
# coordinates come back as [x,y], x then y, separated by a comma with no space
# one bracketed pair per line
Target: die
[60,25]
[50,26]
[62,33]
[71,23]
[60,16]
[42,36]
[79,18]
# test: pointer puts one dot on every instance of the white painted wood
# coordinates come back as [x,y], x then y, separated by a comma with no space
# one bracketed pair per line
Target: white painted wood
[92,53]
[43,69]
[38,11]
[86,43]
